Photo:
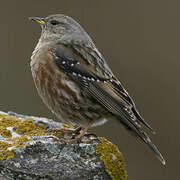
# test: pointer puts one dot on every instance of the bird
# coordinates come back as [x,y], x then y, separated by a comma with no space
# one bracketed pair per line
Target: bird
[76,83]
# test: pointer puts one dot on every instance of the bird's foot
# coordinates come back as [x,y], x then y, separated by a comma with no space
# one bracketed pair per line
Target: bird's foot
[86,139]
[77,135]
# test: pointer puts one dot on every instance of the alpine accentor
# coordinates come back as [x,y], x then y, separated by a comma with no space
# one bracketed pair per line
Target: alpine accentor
[75,82]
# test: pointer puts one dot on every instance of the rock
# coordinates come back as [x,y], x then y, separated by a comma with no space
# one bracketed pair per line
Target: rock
[30,149]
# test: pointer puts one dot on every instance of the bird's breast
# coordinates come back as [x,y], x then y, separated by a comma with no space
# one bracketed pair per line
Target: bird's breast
[56,89]
[49,78]
[61,94]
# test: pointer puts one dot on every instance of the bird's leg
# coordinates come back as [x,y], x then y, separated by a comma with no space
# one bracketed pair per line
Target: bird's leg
[78,139]
[85,129]
[76,132]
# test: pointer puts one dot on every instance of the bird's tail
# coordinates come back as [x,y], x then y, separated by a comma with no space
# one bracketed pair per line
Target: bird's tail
[156,151]
[136,127]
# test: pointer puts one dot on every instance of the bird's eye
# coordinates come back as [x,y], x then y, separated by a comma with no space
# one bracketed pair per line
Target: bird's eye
[54,22]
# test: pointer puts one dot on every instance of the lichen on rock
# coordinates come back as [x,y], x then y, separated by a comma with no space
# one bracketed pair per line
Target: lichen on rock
[112,158]
[14,134]
[30,149]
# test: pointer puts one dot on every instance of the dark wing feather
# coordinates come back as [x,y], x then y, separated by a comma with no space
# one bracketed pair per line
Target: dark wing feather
[94,57]
[94,76]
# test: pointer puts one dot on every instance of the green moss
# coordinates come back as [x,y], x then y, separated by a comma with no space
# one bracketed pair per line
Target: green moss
[4,152]
[112,159]
[8,121]
[27,127]
[24,128]
[7,150]
[5,132]
[18,142]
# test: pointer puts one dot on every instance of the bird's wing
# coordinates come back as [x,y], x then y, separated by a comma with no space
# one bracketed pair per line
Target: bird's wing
[87,67]
[90,69]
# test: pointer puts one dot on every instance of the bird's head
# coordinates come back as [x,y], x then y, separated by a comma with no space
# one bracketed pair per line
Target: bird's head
[58,26]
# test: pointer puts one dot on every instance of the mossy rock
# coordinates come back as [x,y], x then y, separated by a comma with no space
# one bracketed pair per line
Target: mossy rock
[29,149]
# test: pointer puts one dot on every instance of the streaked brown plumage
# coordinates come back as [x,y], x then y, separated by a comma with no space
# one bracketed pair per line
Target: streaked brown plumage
[62,95]
[75,82]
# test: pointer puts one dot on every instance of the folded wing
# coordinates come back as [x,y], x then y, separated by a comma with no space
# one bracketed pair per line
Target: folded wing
[87,67]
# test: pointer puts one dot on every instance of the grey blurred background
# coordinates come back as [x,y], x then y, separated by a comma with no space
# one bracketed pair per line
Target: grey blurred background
[139,39]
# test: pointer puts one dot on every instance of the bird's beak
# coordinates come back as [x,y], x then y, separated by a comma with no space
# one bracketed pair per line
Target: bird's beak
[38,20]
